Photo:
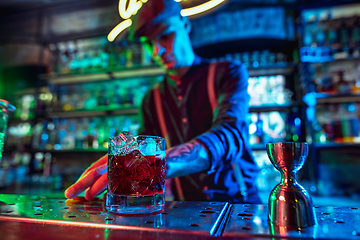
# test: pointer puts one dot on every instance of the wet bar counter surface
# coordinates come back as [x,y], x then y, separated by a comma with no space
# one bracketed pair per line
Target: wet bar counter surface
[37,217]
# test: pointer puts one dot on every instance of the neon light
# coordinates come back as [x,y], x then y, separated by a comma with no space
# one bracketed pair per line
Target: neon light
[118,29]
[200,8]
[86,224]
[135,5]
[126,13]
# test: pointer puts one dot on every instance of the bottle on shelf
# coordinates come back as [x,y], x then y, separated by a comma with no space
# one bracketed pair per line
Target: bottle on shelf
[342,86]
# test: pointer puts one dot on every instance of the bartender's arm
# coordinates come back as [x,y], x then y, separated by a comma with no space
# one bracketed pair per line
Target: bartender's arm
[184,159]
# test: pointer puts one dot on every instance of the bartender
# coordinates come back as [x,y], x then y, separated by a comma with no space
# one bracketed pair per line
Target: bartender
[200,108]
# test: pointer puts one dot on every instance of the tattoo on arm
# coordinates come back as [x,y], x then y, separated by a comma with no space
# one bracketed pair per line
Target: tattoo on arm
[186,159]
[184,152]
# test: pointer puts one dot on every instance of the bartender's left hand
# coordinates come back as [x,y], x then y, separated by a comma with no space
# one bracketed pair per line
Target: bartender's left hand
[93,180]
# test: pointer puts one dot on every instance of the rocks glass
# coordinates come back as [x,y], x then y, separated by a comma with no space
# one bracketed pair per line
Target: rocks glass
[136,174]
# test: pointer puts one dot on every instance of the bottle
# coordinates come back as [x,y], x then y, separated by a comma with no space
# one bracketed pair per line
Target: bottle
[53,132]
[329,123]
[259,129]
[96,61]
[344,37]
[62,133]
[320,36]
[116,100]
[78,135]
[102,98]
[342,86]
[333,34]
[75,63]
[338,132]
[68,140]
[86,62]
[104,59]
[44,137]
[129,98]
[37,131]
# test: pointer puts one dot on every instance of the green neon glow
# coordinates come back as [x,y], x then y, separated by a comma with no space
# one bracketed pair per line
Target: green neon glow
[2,142]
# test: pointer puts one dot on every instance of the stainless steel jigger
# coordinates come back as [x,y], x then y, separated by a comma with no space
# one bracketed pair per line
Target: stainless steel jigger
[290,205]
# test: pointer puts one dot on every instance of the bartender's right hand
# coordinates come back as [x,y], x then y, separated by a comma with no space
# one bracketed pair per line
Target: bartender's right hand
[93,180]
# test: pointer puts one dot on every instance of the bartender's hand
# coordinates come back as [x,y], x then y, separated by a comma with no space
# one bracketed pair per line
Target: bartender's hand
[181,160]
[93,180]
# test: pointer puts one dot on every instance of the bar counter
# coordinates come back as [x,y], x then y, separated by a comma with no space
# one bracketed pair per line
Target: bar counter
[39,217]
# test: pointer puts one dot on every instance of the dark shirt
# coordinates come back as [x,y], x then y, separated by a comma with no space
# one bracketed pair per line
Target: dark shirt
[188,115]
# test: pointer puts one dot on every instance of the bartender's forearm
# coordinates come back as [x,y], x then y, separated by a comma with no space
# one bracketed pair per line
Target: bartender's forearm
[187,158]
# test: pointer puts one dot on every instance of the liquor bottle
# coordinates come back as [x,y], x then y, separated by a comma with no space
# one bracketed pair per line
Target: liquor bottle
[68,135]
[63,125]
[342,86]
[102,98]
[53,132]
[320,36]
[145,57]
[259,128]
[104,59]
[78,135]
[37,131]
[44,138]
[333,34]
[101,135]
[330,114]
[75,63]
[84,133]
[338,132]
[128,98]
[136,54]
[90,137]
[96,61]
[116,100]
[344,37]
[86,62]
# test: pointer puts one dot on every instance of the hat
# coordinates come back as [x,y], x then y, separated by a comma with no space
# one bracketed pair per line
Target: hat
[151,13]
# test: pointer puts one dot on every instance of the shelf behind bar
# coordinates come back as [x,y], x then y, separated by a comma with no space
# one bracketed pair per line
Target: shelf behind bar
[336,144]
[74,150]
[108,74]
[94,76]
[336,98]
[134,111]
[271,70]
[270,108]
[75,114]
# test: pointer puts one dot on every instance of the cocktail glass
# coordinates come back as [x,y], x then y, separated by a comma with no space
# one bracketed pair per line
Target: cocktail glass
[136,174]
[5,108]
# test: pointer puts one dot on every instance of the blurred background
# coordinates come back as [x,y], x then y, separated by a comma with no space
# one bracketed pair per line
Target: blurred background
[73,88]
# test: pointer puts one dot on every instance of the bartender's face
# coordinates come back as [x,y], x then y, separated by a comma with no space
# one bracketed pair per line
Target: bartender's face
[168,42]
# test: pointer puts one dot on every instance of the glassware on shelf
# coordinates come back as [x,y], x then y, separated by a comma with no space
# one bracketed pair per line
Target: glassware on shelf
[268,90]
[265,127]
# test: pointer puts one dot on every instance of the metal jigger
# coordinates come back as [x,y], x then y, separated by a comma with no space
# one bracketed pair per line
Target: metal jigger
[290,205]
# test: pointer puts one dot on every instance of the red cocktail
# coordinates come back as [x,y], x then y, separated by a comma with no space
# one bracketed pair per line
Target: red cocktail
[136,174]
